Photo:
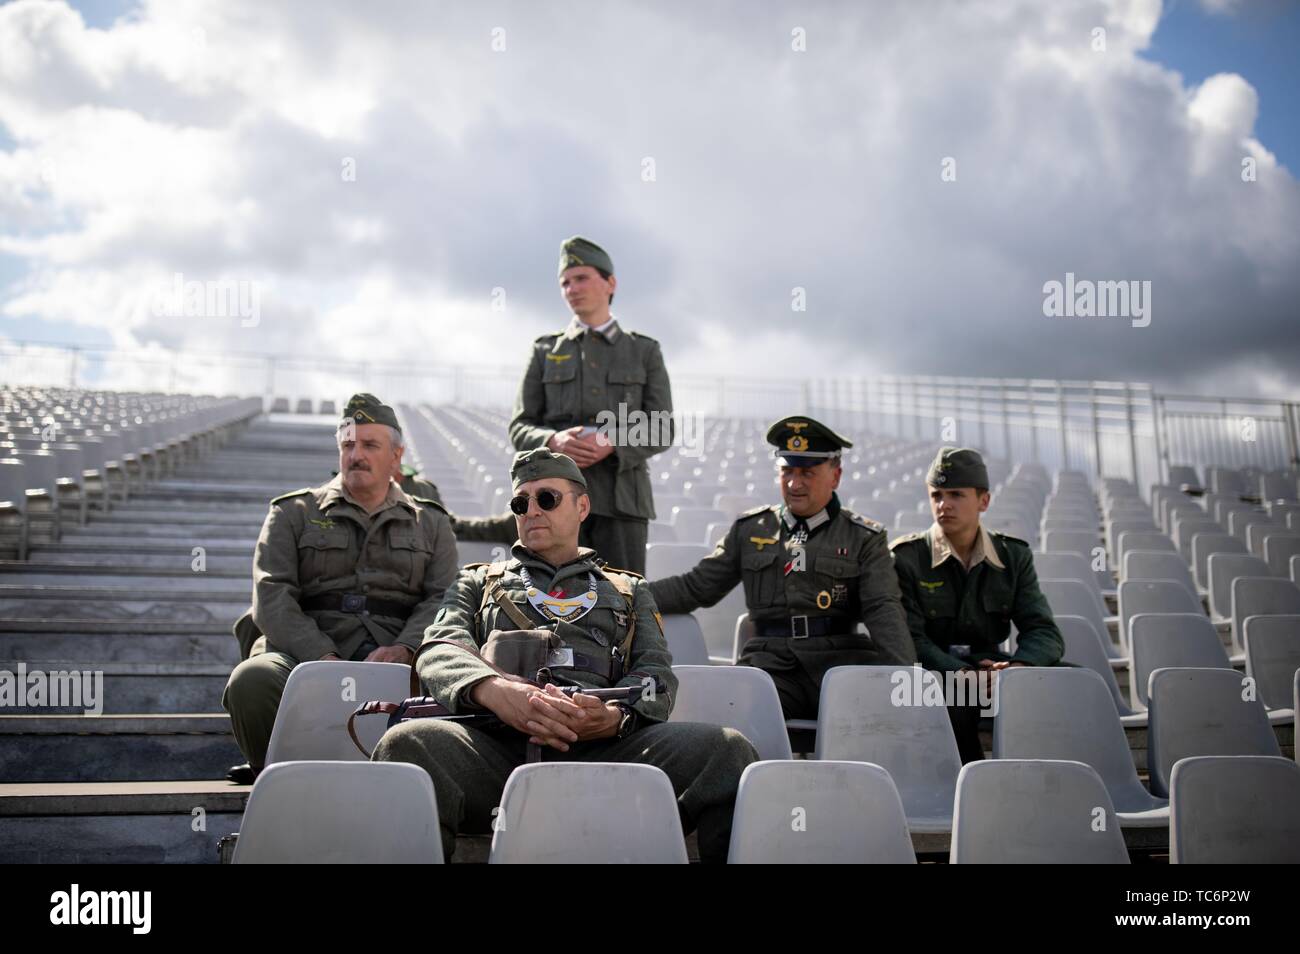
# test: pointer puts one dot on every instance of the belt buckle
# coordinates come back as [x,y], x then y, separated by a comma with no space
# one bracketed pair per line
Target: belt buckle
[795,626]
[353,603]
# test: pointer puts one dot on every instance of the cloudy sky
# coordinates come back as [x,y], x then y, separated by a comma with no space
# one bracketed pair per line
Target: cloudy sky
[392,180]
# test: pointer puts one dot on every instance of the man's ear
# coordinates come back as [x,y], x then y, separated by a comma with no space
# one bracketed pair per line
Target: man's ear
[584,507]
[985,499]
[835,483]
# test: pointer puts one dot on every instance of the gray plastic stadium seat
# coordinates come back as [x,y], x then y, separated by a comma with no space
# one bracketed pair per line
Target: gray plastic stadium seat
[1057,565]
[685,640]
[858,721]
[588,813]
[340,813]
[1131,540]
[1033,811]
[1295,569]
[1235,810]
[692,522]
[1185,529]
[738,697]
[13,504]
[1204,547]
[848,813]
[1273,657]
[1202,712]
[670,559]
[1279,548]
[1152,596]
[1157,565]
[1180,474]
[1082,542]
[1225,480]
[1083,647]
[1059,713]
[661,533]
[1260,596]
[1072,598]
[312,721]
[1167,640]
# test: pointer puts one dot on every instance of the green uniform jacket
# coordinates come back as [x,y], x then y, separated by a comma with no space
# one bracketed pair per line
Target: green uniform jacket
[447,672]
[571,380]
[947,606]
[315,541]
[499,529]
[848,569]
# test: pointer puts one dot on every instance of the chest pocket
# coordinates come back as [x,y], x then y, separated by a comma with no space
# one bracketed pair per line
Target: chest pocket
[837,576]
[938,603]
[627,385]
[560,380]
[324,554]
[409,555]
[760,574]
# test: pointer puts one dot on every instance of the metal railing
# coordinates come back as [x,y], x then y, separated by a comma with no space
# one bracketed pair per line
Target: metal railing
[1103,428]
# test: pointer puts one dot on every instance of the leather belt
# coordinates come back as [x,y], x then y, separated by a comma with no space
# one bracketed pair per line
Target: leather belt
[591,664]
[355,603]
[801,627]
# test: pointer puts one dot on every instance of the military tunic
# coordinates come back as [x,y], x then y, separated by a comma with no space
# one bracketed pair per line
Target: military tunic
[948,606]
[469,765]
[958,617]
[317,544]
[573,377]
[847,578]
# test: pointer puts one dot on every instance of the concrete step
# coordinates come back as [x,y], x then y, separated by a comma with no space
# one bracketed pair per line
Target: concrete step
[100,603]
[33,573]
[118,688]
[172,558]
[157,822]
[84,538]
[118,641]
[125,748]
[178,516]
[191,535]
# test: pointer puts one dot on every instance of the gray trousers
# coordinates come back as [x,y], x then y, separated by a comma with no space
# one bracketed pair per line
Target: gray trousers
[469,768]
[618,541]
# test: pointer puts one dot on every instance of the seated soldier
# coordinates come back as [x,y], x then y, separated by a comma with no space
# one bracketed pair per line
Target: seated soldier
[964,585]
[612,637]
[812,571]
[352,569]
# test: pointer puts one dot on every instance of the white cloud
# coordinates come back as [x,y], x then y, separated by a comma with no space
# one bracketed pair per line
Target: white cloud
[210,140]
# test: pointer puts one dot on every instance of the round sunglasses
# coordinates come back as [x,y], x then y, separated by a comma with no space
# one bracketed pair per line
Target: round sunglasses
[546,498]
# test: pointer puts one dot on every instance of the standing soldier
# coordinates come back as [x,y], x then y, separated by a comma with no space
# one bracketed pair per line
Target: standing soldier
[964,585]
[812,571]
[601,396]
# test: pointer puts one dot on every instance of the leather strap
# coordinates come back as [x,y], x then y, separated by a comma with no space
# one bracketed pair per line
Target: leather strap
[355,603]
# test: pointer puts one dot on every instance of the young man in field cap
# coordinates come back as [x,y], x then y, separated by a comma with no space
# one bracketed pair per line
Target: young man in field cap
[812,571]
[964,585]
[600,395]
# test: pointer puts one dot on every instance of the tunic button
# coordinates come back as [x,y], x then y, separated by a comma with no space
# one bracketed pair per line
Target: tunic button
[365,588]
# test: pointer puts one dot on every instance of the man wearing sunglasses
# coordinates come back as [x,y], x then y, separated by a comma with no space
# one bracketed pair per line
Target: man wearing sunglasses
[611,637]
[601,396]
[812,571]
[353,569]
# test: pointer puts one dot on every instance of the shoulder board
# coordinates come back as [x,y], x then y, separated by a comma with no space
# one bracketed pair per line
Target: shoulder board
[1006,536]
[615,569]
[429,503]
[862,521]
[548,338]
[292,493]
[755,511]
[643,337]
[907,538]
[474,566]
